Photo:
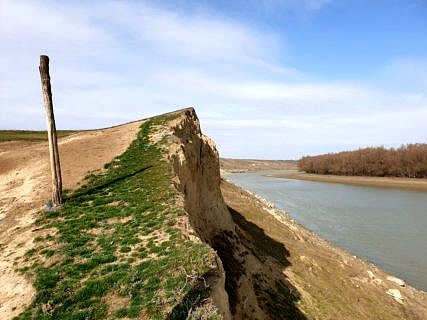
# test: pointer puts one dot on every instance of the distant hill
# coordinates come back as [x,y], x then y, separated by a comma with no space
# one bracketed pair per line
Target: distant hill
[248,165]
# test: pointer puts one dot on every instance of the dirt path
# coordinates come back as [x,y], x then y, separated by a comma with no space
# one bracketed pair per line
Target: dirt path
[25,188]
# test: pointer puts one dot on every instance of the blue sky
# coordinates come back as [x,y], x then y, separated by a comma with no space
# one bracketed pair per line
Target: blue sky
[272,79]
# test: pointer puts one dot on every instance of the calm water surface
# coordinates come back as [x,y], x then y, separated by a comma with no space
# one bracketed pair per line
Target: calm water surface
[385,226]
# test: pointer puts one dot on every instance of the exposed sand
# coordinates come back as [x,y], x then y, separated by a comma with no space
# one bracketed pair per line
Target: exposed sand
[25,188]
[384,182]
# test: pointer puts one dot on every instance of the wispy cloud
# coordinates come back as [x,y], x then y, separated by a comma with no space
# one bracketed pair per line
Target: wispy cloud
[96,54]
[118,61]
[296,4]
[408,70]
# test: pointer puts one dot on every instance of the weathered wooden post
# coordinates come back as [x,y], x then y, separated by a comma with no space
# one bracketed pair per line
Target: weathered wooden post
[51,132]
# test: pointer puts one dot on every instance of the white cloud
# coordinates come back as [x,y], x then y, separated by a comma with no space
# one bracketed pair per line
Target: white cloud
[48,26]
[296,92]
[117,61]
[407,70]
[196,36]
[305,4]
[316,4]
[102,61]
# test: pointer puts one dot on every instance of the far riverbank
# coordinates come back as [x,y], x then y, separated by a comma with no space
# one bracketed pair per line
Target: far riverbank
[384,182]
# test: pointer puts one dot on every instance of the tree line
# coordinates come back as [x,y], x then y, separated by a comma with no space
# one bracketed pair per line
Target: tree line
[407,161]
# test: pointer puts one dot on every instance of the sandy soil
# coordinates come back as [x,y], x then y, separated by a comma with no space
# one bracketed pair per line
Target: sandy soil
[25,188]
[384,182]
[247,165]
[331,283]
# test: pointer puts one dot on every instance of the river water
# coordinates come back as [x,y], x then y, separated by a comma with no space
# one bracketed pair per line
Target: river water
[385,226]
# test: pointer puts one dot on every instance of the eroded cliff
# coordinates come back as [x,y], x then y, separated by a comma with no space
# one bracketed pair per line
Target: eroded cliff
[253,262]
[274,267]
[151,237]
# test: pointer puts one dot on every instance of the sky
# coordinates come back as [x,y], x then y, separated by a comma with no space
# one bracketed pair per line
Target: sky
[269,79]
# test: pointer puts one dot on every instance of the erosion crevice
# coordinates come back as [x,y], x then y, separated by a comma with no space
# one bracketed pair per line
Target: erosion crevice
[251,263]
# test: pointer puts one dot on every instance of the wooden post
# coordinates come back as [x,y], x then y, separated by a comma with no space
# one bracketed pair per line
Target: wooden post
[51,132]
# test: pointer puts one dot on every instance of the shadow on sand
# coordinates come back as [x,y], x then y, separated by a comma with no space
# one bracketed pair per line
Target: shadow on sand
[89,188]
[257,259]
[275,295]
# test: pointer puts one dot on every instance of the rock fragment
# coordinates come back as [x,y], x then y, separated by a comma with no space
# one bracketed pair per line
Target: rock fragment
[397,281]
[395,293]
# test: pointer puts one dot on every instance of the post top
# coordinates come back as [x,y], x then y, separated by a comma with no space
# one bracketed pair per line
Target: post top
[44,58]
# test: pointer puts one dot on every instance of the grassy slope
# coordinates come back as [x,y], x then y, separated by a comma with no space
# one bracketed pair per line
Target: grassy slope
[113,250]
[26,135]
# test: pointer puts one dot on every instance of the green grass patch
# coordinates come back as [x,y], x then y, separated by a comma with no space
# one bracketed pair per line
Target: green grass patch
[29,135]
[101,246]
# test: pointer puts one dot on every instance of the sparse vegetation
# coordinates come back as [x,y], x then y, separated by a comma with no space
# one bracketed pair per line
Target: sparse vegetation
[115,239]
[29,135]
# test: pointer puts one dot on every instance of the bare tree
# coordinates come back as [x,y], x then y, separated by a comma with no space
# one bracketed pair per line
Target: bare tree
[407,161]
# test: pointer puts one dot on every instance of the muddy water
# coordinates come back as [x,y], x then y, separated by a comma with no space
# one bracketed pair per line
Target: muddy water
[385,226]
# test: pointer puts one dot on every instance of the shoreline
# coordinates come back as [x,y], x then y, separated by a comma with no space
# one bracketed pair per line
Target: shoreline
[283,217]
[379,182]
[313,259]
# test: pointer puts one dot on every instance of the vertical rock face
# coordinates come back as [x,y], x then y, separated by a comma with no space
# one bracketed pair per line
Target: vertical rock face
[250,281]
[195,163]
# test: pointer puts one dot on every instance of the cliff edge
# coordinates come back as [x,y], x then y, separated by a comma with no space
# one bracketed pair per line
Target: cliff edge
[156,234]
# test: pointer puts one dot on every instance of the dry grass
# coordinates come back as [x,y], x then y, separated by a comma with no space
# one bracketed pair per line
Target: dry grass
[27,135]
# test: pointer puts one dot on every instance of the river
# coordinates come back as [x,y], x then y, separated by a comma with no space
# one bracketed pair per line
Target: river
[387,227]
